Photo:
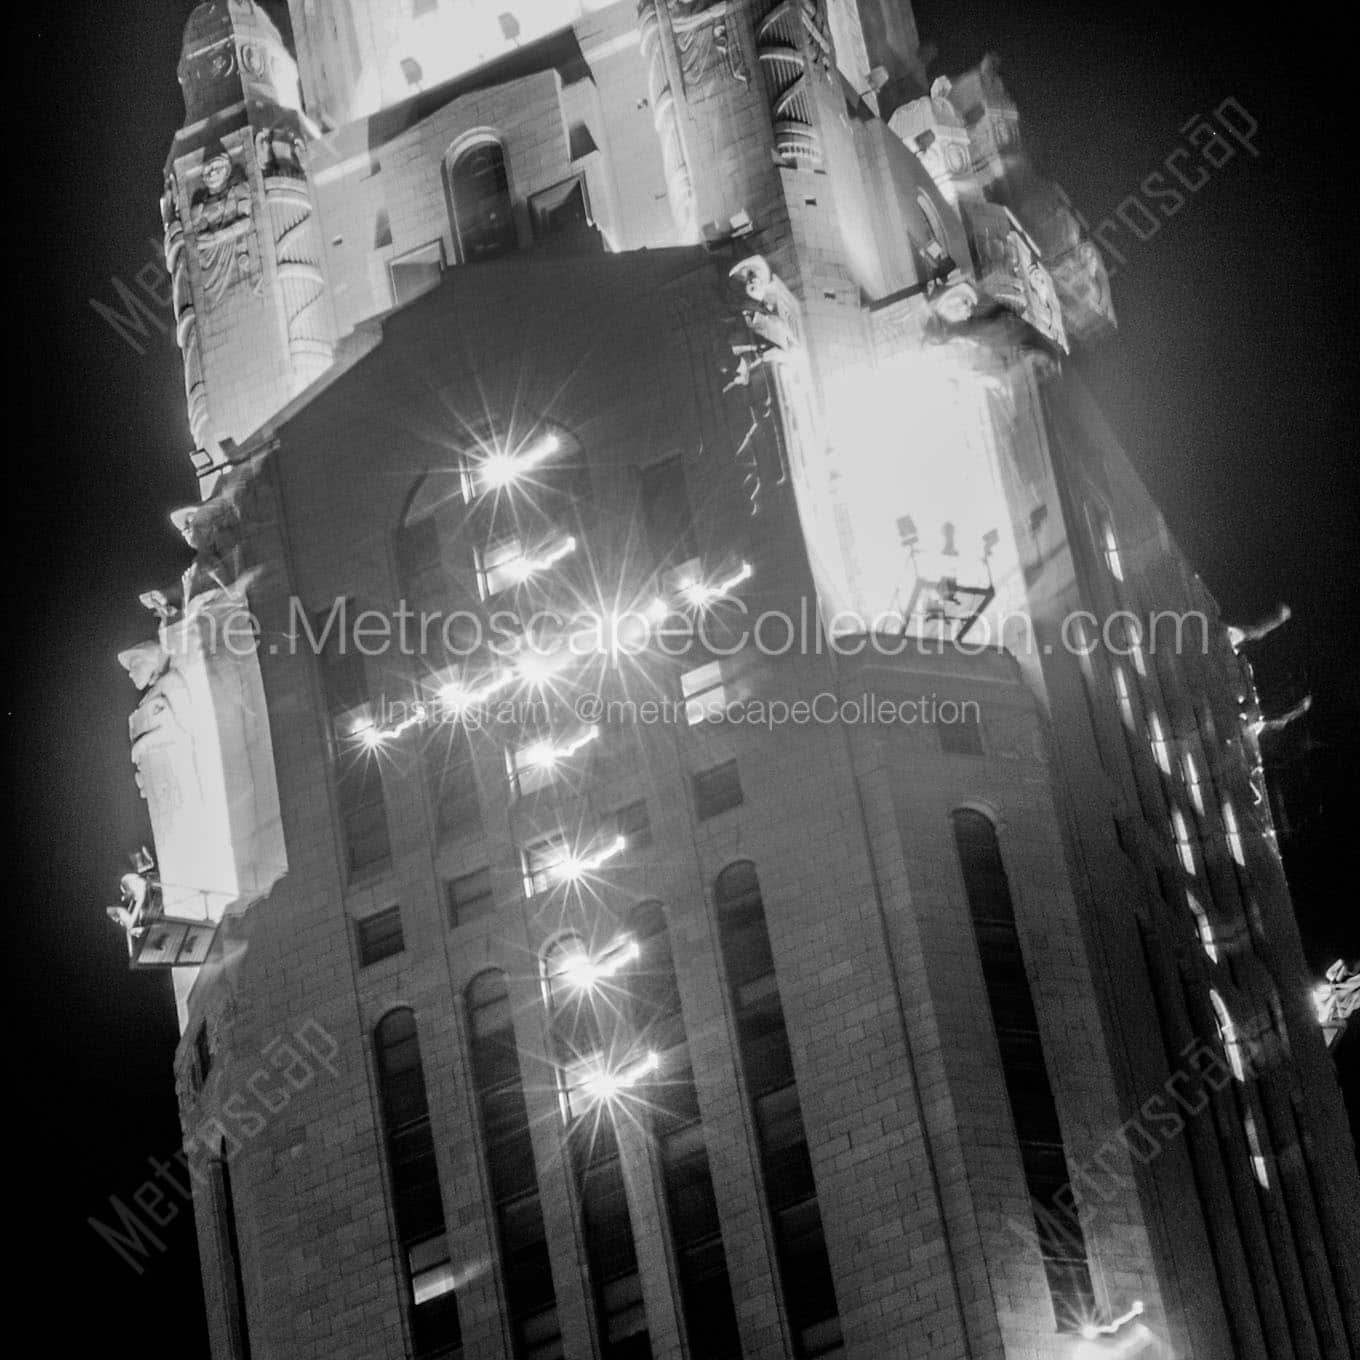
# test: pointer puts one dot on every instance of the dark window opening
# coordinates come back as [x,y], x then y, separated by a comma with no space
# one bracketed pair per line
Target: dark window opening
[470,896]
[432,1304]
[1028,1087]
[561,218]
[767,1065]
[964,737]
[224,1201]
[380,936]
[666,513]
[511,1170]
[717,790]
[483,213]
[687,1182]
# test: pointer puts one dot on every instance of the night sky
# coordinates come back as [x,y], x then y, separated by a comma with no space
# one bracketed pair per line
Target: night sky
[1232,382]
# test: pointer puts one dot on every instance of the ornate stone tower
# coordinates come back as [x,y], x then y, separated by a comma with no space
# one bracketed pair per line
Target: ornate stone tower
[241,243]
[700,811]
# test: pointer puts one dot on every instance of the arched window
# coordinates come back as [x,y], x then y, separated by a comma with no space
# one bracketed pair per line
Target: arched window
[1161,747]
[417,1206]
[687,1181]
[1033,1109]
[511,1170]
[1206,931]
[1194,784]
[580,1057]
[1124,693]
[483,214]
[767,1065]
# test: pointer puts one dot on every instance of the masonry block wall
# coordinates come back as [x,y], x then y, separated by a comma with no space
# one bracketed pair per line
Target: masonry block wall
[743,232]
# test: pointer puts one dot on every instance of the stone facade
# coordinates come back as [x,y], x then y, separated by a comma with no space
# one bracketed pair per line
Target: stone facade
[746,302]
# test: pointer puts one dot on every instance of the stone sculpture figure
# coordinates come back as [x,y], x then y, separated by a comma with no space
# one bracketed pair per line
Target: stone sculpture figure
[706,43]
[220,218]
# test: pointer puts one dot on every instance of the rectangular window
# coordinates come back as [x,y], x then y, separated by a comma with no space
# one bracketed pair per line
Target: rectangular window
[717,790]
[343,680]
[633,824]
[964,737]
[416,272]
[470,896]
[704,692]
[542,862]
[530,765]
[453,778]
[499,566]
[363,814]
[666,512]
[561,216]
[380,936]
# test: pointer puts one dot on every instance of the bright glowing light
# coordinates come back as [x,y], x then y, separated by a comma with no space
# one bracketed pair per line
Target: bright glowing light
[574,867]
[604,1085]
[701,593]
[521,569]
[537,668]
[500,470]
[657,612]
[545,755]
[1091,1331]
[585,973]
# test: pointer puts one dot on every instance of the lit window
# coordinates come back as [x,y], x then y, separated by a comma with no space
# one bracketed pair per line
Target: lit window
[1259,1167]
[1233,832]
[1161,748]
[1133,646]
[704,693]
[1206,934]
[1194,784]
[499,566]
[1227,1033]
[1109,547]
[533,764]
[634,825]
[1185,848]
[543,863]
[1124,693]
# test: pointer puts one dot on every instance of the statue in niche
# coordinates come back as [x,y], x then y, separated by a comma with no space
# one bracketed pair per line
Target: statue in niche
[220,218]
[145,663]
[706,41]
[769,310]
[212,531]
[139,897]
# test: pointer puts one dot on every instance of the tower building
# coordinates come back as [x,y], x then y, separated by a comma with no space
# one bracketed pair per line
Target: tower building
[699,810]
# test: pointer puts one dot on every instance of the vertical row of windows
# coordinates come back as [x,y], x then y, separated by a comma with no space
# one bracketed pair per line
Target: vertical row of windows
[767,1065]
[687,1182]
[224,1204]
[363,813]
[512,1171]
[1033,1108]
[578,1051]
[417,1206]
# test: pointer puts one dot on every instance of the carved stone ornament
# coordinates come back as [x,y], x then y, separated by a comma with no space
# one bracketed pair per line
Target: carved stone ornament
[223,229]
[707,44]
[769,309]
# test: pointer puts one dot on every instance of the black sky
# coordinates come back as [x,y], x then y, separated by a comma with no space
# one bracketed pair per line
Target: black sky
[1232,382]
